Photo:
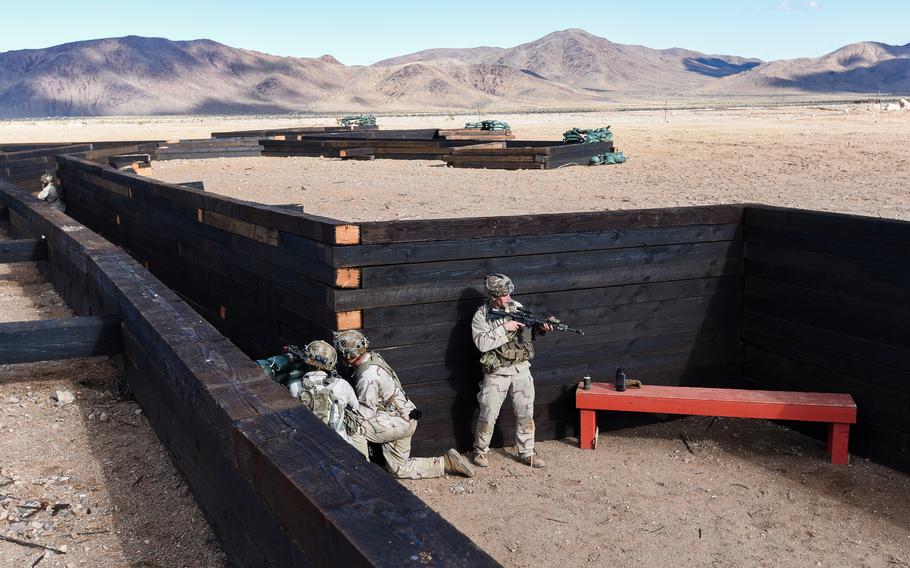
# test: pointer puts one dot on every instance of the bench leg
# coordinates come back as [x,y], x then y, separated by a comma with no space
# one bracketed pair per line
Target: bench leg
[838,440]
[588,435]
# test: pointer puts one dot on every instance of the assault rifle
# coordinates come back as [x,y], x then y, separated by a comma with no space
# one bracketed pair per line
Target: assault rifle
[295,352]
[530,319]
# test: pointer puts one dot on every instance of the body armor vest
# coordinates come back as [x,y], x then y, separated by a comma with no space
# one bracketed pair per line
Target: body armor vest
[518,350]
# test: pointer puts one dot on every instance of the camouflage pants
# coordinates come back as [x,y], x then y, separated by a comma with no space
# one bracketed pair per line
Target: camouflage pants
[395,433]
[493,393]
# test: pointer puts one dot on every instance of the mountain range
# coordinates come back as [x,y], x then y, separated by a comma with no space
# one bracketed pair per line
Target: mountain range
[571,68]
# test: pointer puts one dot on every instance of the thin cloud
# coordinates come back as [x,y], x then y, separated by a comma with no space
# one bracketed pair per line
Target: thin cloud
[788,6]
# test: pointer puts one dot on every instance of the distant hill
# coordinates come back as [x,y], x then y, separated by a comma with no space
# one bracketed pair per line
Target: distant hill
[570,68]
[866,67]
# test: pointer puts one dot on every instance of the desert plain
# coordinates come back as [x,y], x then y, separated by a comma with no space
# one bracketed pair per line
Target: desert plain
[692,491]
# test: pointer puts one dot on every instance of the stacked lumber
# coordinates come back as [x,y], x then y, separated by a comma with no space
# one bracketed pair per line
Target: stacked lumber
[474,134]
[418,144]
[270,132]
[395,149]
[211,148]
[521,155]
[134,161]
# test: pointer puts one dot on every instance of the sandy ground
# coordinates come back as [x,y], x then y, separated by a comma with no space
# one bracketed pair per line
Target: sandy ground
[89,478]
[849,158]
[750,493]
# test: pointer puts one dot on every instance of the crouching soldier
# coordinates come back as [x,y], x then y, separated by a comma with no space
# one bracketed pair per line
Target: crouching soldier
[310,376]
[390,418]
[51,193]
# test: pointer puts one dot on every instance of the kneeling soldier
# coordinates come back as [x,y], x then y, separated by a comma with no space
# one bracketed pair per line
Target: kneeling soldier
[390,418]
[320,389]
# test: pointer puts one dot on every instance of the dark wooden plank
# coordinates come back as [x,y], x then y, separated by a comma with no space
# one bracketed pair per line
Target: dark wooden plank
[354,152]
[248,531]
[594,321]
[834,282]
[22,250]
[210,143]
[497,165]
[309,226]
[884,272]
[50,340]
[469,160]
[500,151]
[816,345]
[469,288]
[432,361]
[558,302]
[563,262]
[17,157]
[197,185]
[412,134]
[852,316]
[379,232]
[831,244]
[575,151]
[832,224]
[204,155]
[334,498]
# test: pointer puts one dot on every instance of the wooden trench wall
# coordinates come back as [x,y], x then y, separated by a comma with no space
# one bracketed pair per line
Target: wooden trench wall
[276,487]
[827,308]
[658,292]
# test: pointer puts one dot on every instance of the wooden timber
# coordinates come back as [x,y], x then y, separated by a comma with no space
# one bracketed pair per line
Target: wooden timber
[51,340]
[22,250]
[276,488]
[825,307]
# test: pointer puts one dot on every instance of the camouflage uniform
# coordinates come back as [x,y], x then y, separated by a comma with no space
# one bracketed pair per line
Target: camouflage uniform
[506,359]
[385,409]
[334,401]
[51,194]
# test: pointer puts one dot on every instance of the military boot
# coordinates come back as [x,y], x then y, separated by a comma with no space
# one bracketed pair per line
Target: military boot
[532,460]
[457,463]
[480,459]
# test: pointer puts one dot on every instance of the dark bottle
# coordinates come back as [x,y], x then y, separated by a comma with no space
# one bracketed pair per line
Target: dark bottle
[620,379]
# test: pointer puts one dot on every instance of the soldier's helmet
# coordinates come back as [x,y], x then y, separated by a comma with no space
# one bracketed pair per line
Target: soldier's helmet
[496,285]
[321,355]
[351,344]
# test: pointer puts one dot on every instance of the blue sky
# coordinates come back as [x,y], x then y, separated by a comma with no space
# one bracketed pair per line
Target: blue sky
[364,32]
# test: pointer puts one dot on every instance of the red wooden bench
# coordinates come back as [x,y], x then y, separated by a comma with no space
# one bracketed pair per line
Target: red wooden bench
[838,410]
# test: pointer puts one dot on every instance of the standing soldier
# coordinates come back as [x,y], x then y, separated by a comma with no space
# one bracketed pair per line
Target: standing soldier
[506,359]
[390,418]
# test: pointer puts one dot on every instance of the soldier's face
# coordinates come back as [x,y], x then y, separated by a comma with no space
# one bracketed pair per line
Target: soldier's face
[499,302]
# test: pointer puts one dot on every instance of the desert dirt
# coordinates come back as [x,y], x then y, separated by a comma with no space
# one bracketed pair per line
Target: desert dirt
[88,478]
[841,158]
[686,492]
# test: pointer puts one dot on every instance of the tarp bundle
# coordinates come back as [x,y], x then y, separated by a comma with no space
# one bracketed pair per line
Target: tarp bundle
[488,125]
[358,120]
[607,159]
[582,136]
